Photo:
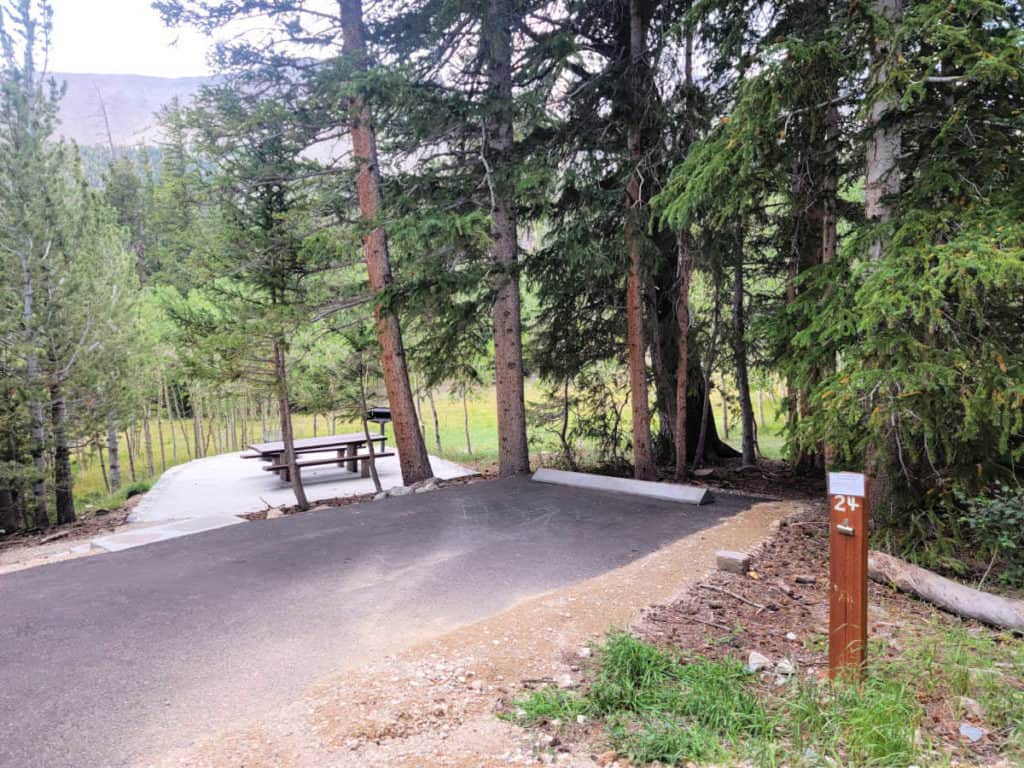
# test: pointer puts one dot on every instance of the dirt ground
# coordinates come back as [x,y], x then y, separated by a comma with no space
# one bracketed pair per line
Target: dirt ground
[59,543]
[436,703]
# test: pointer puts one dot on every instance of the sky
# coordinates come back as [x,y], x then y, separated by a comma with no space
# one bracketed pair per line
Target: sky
[122,37]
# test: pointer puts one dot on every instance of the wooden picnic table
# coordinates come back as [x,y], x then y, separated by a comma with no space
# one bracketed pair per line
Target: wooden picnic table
[347,447]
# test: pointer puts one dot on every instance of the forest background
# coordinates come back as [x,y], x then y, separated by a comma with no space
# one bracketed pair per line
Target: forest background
[600,230]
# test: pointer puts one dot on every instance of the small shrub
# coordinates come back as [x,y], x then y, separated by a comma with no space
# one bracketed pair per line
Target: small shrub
[996,522]
[137,488]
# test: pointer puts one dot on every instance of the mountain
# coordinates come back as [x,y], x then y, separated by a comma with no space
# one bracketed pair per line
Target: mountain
[131,102]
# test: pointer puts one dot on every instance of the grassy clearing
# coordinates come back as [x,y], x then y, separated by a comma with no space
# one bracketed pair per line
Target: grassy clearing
[653,705]
[91,491]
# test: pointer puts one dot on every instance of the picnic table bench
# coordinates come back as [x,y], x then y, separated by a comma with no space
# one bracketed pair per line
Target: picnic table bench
[351,450]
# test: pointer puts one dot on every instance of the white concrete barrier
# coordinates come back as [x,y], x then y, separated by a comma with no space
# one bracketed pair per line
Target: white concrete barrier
[684,494]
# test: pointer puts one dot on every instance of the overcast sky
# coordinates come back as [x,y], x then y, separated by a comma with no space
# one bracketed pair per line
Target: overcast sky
[122,37]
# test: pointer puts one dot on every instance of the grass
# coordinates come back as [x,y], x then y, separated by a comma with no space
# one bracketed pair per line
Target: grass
[91,491]
[655,706]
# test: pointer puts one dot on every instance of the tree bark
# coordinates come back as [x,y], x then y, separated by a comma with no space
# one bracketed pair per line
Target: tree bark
[287,438]
[131,453]
[412,452]
[496,42]
[37,421]
[113,454]
[465,423]
[881,183]
[958,599]
[739,329]
[103,464]
[643,452]
[148,440]
[433,413]
[62,477]
[683,270]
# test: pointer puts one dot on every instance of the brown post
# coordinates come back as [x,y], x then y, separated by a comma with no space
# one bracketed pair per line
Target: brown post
[848,574]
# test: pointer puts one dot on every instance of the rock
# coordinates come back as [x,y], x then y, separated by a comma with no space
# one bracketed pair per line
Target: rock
[581,719]
[791,636]
[971,707]
[607,758]
[381,495]
[732,562]
[805,579]
[399,490]
[426,486]
[757,661]
[274,512]
[972,733]
[565,681]
[584,652]
[785,667]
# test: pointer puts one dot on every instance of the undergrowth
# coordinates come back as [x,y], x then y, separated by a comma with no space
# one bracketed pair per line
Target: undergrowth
[657,706]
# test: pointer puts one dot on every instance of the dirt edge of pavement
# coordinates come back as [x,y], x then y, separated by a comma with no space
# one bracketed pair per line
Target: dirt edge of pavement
[434,704]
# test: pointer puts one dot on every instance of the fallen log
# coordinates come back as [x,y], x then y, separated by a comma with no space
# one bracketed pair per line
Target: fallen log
[947,594]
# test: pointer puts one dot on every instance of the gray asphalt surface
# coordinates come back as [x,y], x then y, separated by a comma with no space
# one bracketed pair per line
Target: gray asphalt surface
[108,659]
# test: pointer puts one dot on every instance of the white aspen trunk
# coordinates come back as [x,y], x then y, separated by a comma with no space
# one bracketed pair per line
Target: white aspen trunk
[113,454]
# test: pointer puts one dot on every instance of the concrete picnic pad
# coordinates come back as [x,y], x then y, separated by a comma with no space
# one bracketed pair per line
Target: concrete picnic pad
[105,661]
[210,493]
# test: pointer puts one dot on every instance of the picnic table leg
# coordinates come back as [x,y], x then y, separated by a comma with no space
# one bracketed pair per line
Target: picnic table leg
[364,468]
[351,450]
[283,472]
[341,455]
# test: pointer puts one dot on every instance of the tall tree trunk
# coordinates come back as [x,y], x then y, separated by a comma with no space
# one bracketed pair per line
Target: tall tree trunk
[62,477]
[287,438]
[881,183]
[496,41]
[412,452]
[643,452]
[197,422]
[103,464]
[465,423]
[129,449]
[37,420]
[147,436]
[683,270]
[706,417]
[739,330]
[113,454]
[160,430]
[664,387]
[433,413]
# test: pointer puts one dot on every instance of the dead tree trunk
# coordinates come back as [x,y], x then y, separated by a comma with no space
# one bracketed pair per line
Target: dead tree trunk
[947,594]
[412,452]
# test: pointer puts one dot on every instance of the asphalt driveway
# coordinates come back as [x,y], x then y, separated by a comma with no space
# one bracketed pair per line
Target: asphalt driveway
[108,659]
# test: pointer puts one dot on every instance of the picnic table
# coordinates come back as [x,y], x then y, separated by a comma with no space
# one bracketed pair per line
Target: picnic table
[350,450]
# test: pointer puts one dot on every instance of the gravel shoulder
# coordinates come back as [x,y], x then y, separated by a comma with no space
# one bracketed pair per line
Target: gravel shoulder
[435,704]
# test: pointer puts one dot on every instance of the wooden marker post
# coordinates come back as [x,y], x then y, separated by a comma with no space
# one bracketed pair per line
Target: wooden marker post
[848,573]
